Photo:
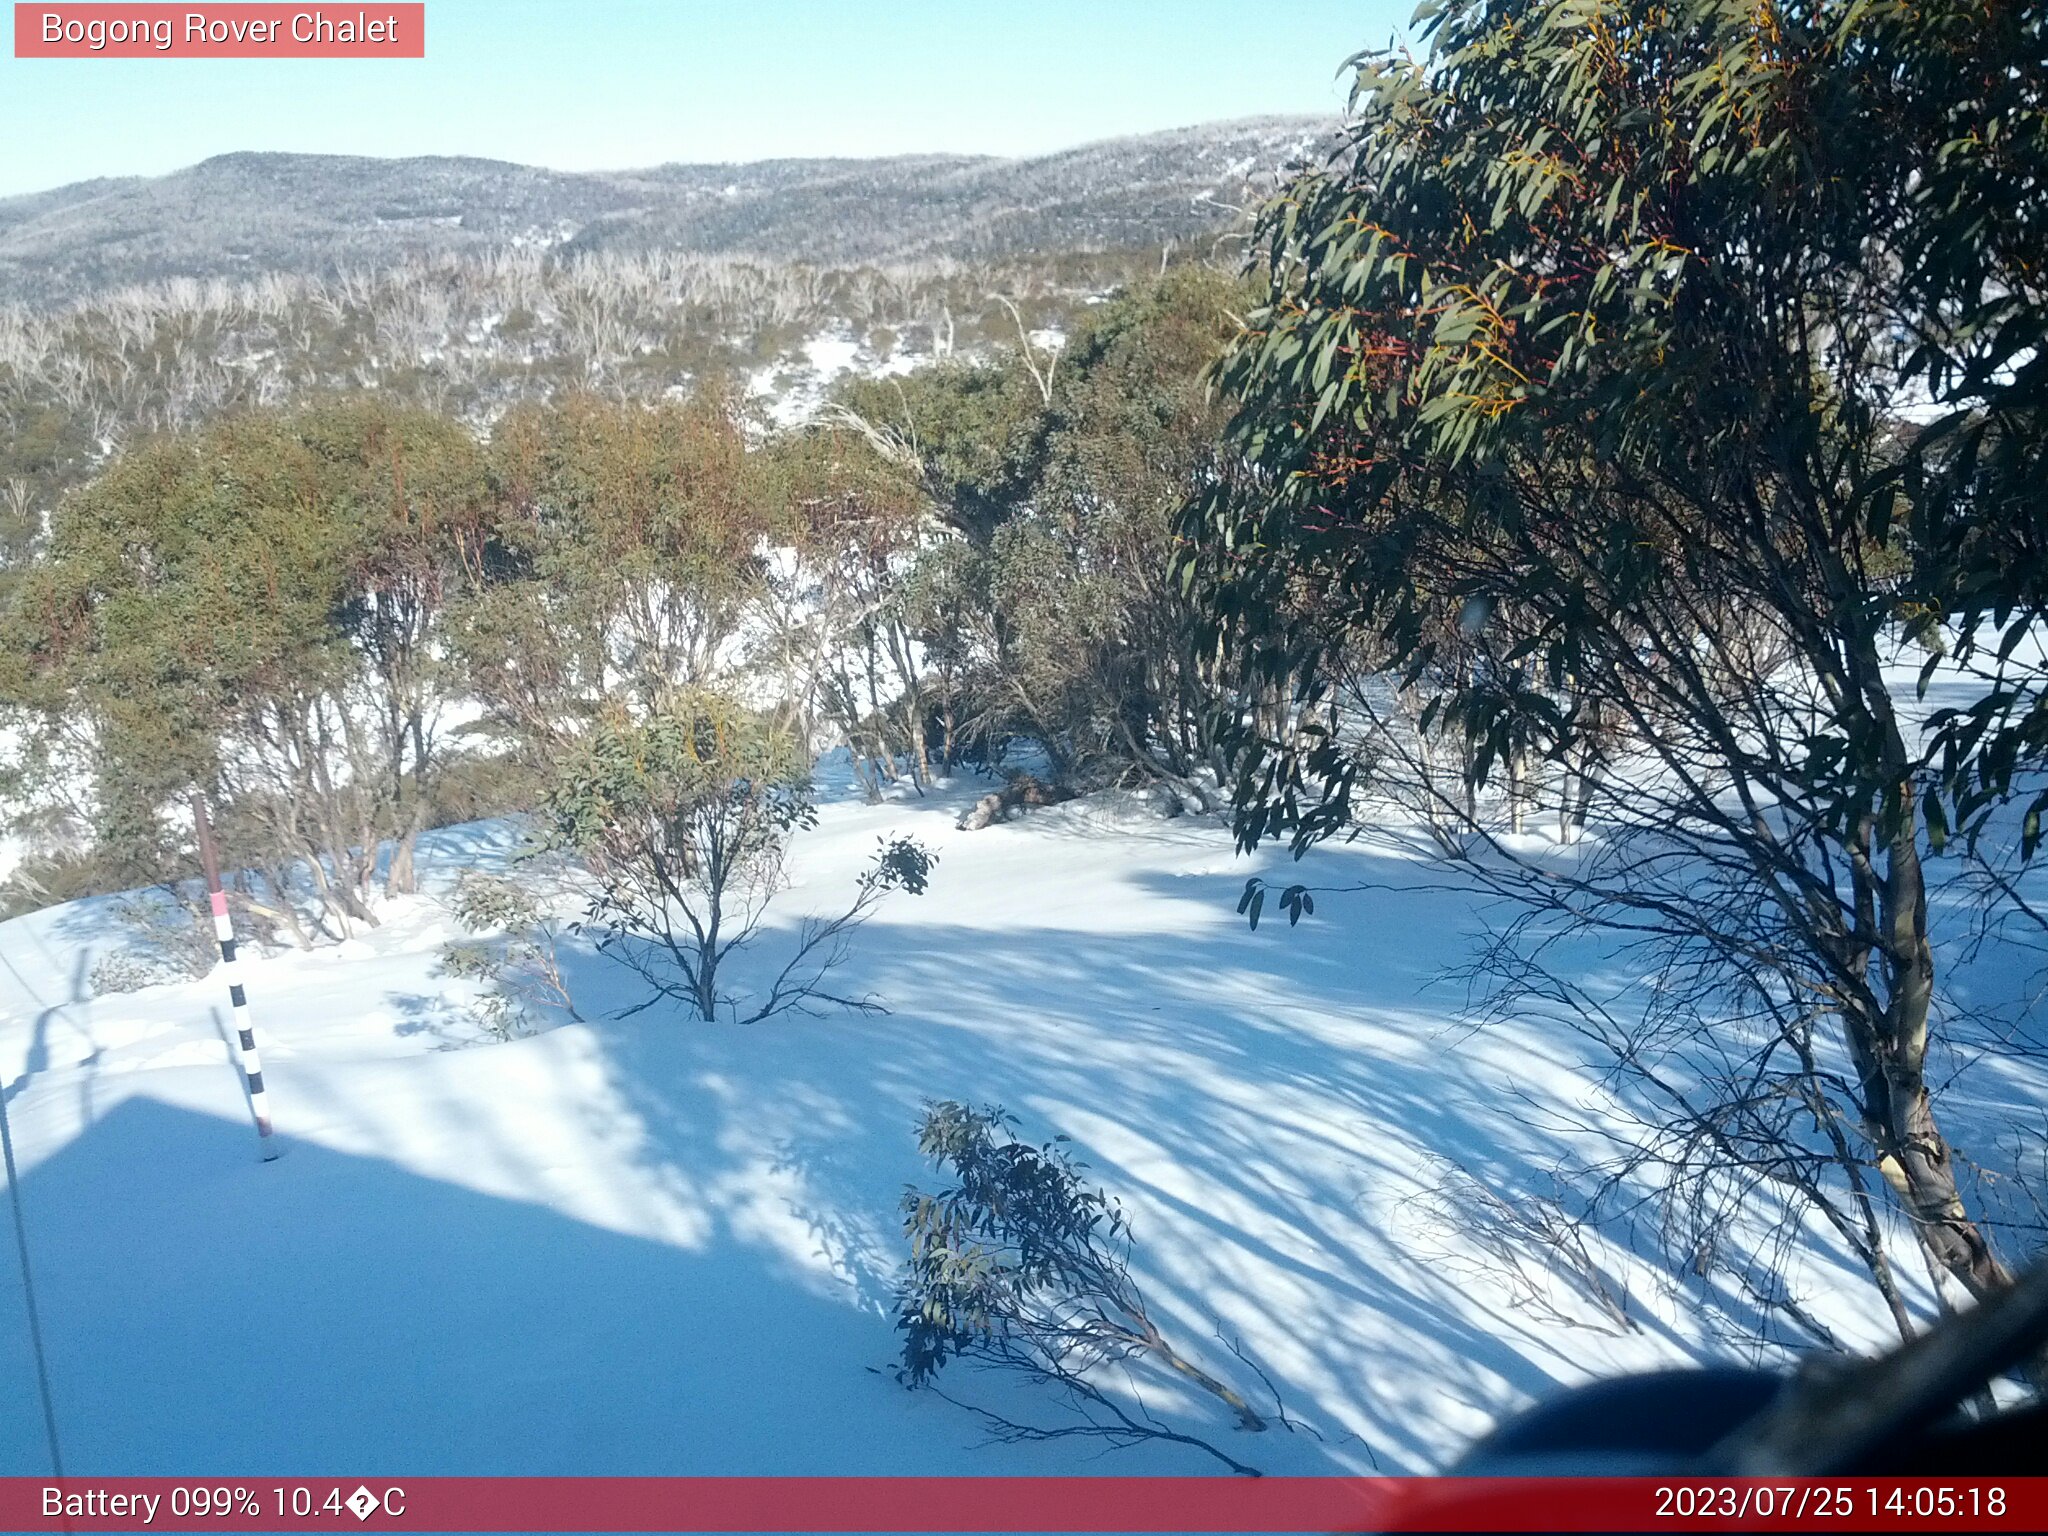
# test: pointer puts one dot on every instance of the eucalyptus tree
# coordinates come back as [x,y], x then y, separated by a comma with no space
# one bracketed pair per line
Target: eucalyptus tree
[624,549]
[682,820]
[249,610]
[1041,591]
[1613,331]
[410,489]
[844,628]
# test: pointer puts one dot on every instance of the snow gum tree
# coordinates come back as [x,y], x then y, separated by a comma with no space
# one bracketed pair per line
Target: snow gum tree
[1045,605]
[1604,338]
[682,819]
[411,486]
[248,610]
[844,616]
[622,552]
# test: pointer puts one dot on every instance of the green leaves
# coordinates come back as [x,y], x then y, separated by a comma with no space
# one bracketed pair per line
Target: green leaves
[1019,1249]
[1297,901]
[618,549]
[1613,321]
[648,789]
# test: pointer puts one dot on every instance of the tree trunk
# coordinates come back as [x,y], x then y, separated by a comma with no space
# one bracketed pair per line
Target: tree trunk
[924,756]
[707,949]
[332,906]
[401,879]
[283,911]
[1913,1155]
[1588,780]
[1246,1417]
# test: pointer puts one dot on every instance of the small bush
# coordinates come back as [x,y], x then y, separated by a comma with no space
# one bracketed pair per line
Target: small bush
[473,786]
[1024,1266]
[173,927]
[683,821]
[170,939]
[514,957]
[126,971]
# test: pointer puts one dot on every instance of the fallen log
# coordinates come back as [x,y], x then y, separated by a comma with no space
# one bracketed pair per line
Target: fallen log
[1024,789]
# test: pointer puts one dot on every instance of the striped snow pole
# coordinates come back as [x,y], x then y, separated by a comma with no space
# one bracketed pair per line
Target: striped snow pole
[224,930]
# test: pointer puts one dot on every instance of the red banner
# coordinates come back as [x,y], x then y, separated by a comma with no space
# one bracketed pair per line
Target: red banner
[118,31]
[1187,1504]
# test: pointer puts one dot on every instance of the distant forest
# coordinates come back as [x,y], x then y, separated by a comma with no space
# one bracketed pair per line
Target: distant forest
[247,215]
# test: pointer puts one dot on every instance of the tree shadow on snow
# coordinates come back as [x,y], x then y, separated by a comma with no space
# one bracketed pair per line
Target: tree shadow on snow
[1264,1147]
[1258,1100]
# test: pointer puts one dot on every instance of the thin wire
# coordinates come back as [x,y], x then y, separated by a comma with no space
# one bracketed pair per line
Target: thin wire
[28,1292]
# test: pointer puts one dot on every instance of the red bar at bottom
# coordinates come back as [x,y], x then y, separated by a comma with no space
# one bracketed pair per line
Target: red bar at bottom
[1152,1504]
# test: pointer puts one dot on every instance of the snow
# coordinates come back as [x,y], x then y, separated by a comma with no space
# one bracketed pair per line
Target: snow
[791,389]
[653,1246]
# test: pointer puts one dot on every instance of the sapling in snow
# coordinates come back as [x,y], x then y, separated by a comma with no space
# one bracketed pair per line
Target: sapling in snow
[683,820]
[1024,1266]
[514,955]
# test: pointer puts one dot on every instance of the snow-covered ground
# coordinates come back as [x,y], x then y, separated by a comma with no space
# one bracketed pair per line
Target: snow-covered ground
[792,389]
[658,1246]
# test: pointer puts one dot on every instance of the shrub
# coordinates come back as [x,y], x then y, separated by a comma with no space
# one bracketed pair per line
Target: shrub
[683,820]
[1024,1266]
[519,967]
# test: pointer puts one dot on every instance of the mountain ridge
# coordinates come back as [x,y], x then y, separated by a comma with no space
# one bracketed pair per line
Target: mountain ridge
[252,211]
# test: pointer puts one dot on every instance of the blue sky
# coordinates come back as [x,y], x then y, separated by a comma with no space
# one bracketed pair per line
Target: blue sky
[591,84]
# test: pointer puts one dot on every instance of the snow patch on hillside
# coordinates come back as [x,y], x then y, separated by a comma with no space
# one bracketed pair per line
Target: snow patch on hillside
[792,389]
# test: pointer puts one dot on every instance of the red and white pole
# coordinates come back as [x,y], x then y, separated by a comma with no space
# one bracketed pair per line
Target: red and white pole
[224,930]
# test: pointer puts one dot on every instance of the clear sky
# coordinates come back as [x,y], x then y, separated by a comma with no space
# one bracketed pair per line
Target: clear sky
[595,84]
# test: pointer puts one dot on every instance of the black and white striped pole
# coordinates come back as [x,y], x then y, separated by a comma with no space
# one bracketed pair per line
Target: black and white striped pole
[224,930]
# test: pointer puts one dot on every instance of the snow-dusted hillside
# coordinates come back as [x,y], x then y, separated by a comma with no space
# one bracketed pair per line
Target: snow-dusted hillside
[241,214]
[656,1246]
